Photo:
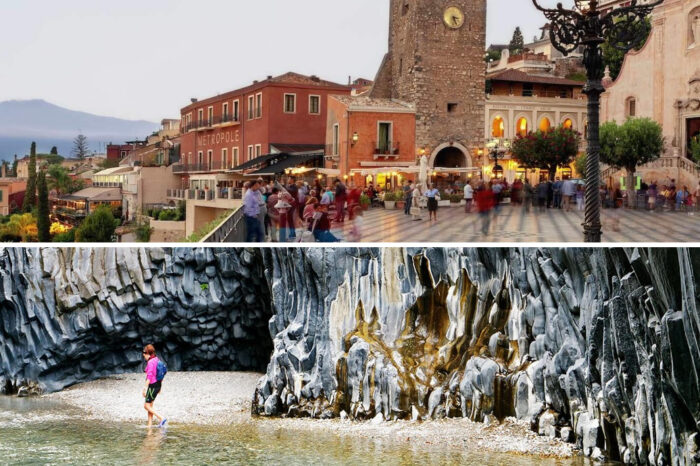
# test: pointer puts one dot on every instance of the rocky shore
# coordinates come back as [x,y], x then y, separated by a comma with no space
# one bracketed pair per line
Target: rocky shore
[224,399]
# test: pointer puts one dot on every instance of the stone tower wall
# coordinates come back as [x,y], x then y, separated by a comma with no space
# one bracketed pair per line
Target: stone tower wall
[432,66]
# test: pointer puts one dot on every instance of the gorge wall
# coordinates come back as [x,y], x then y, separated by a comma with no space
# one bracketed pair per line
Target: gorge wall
[600,347]
[596,346]
[74,315]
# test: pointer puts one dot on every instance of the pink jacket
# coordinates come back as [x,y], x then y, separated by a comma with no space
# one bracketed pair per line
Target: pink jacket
[152,370]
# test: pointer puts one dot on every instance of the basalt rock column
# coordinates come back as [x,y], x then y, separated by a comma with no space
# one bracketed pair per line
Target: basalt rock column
[595,346]
[74,315]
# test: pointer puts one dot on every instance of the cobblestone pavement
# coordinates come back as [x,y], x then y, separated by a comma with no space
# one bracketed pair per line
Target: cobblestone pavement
[513,225]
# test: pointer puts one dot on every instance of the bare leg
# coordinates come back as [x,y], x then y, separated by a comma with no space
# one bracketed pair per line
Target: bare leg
[151,412]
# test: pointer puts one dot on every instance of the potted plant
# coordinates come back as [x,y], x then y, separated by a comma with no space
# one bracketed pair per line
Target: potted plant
[365,202]
[400,200]
[390,200]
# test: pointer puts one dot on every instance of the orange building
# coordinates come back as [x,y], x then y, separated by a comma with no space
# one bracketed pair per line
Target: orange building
[370,140]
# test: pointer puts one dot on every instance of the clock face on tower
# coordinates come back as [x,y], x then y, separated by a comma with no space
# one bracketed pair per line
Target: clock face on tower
[453,17]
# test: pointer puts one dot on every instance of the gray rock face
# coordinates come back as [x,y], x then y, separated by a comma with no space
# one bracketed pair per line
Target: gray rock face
[73,315]
[600,347]
[595,346]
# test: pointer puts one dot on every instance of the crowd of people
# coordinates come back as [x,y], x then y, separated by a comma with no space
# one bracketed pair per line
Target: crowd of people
[296,211]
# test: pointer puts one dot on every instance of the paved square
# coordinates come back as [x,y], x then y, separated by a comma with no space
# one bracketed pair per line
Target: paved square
[513,225]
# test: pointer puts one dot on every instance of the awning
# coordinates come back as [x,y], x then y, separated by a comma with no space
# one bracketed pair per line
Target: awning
[328,171]
[292,161]
[255,162]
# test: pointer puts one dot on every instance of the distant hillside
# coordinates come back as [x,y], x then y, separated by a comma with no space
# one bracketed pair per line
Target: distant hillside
[24,121]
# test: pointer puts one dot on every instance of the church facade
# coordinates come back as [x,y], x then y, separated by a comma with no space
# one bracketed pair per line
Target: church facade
[669,93]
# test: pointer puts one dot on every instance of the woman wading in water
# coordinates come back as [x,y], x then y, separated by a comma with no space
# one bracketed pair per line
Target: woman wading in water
[155,371]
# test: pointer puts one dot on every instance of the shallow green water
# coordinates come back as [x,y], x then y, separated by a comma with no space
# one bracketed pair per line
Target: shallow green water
[40,432]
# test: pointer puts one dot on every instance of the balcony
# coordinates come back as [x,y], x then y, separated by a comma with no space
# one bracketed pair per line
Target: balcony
[216,166]
[386,150]
[101,184]
[209,123]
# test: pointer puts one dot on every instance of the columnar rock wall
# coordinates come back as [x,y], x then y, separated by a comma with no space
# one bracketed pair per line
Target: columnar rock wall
[73,315]
[600,347]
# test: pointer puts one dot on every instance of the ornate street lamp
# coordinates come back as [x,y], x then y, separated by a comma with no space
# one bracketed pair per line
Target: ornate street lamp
[585,25]
[497,150]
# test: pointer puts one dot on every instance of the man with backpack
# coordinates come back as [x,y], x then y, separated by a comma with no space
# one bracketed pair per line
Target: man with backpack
[155,373]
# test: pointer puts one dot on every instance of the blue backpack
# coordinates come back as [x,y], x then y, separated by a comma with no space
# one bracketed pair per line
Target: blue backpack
[161,370]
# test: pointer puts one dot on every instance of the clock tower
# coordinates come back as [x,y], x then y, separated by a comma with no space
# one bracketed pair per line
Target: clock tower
[436,62]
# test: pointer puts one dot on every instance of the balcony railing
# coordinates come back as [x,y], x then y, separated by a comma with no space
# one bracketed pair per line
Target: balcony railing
[205,194]
[210,122]
[101,184]
[386,149]
[231,230]
[199,167]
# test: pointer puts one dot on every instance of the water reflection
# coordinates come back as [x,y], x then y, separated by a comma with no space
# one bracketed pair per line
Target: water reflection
[35,432]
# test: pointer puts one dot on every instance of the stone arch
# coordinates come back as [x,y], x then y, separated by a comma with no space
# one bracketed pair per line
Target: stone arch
[455,146]
[545,123]
[568,118]
[503,125]
[518,127]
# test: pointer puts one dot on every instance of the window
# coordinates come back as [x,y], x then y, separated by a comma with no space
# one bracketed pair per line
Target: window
[290,103]
[251,110]
[123,154]
[200,158]
[1,193]
[498,128]
[236,159]
[568,124]
[631,107]
[528,90]
[521,127]
[315,105]
[210,115]
[336,139]
[210,159]
[451,107]
[224,111]
[545,125]
[224,158]
[258,105]
[384,137]
[200,116]
[236,109]
[258,150]
[250,153]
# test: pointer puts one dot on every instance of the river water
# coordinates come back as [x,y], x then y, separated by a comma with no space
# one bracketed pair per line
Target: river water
[38,431]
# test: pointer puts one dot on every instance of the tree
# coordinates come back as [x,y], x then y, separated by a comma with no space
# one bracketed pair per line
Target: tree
[98,227]
[43,222]
[636,142]
[580,164]
[517,43]
[30,194]
[694,151]
[492,55]
[59,180]
[547,150]
[14,167]
[614,57]
[108,163]
[54,150]
[22,226]
[80,147]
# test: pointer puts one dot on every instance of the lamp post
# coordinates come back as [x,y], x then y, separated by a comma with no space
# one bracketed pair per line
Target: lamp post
[497,150]
[585,25]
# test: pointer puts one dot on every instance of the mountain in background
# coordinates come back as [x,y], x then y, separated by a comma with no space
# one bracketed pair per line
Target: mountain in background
[24,121]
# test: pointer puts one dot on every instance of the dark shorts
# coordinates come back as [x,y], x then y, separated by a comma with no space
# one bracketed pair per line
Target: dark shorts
[432,204]
[152,392]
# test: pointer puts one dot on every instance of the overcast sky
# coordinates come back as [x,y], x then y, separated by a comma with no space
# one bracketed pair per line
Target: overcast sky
[140,59]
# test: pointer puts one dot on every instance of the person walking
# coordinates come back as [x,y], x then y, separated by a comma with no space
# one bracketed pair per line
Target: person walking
[542,196]
[696,197]
[568,191]
[154,384]
[528,195]
[272,213]
[416,211]
[251,211]
[340,198]
[468,197]
[433,196]
[485,201]
[321,226]
[557,193]
[408,196]
[580,197]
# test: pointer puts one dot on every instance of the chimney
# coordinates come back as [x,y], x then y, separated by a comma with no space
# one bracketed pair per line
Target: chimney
[349,80]
[193,100]
[269,76]
[256,81]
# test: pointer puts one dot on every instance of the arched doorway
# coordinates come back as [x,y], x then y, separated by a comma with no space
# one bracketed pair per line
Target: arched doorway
[450,156]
